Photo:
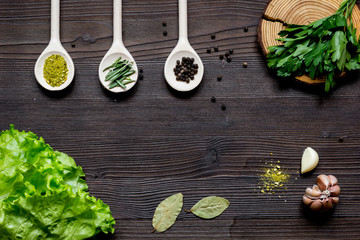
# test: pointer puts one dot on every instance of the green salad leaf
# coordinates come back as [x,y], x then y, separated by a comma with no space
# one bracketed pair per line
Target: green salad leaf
[43,194]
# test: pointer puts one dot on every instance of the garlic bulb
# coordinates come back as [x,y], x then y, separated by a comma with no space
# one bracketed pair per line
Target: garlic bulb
[324,195]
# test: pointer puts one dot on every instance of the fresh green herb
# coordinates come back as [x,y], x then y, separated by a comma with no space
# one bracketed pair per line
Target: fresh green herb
[166,213]
[324,48]
[43,194]
[119,74]
[55,70]
[209,207]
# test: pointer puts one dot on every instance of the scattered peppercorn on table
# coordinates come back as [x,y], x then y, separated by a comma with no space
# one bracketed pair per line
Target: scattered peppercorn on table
[240,135]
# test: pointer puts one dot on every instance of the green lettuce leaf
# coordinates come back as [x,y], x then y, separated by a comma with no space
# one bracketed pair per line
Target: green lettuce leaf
[43,194]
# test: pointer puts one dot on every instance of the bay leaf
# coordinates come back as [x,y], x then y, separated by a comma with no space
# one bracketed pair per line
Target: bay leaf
[166,212]
[210,207]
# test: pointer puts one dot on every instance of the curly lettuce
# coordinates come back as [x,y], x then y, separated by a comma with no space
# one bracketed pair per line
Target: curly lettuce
[43,194]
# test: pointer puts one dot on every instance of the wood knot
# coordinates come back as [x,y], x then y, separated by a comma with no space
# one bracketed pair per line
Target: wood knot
[88,38]
[212,158]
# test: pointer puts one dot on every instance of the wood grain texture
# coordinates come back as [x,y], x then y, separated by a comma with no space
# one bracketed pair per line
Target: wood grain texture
[139,148]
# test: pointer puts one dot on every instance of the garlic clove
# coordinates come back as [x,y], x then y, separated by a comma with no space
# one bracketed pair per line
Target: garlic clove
[334,190]
[307,201]
[323,182]
[327,205]
[316,187]
[312,192]
[333,180]
[335,200]
[316,205]
[309,160]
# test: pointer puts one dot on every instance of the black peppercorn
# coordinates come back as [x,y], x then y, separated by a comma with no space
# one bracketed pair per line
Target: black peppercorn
[228,59]
[341,139]
[223,107]
[216,49]
[73,45]
[221,57]
[141,77]
[245,64]
[213,99]
[231,51]
[213,36]
[227,54]
[208,50]
[165,33]
[186,69]
[246,29]
[164,24]
[219,78]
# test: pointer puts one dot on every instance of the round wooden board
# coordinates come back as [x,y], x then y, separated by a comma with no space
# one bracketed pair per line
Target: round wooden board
[301,12]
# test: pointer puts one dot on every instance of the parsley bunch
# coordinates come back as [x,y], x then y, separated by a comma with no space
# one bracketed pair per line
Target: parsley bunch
[323,48]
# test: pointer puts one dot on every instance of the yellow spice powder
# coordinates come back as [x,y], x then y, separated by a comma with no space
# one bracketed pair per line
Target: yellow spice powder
[273,178]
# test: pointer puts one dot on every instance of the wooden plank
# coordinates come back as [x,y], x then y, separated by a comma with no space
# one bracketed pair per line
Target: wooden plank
[137,149]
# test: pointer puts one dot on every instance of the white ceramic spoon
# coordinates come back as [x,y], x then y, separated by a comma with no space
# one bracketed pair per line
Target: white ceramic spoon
[54,47]
[117,50]
[182,49]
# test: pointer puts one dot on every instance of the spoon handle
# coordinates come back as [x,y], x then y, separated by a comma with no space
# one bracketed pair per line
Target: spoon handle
[183,27]
[55,21]
[117,21]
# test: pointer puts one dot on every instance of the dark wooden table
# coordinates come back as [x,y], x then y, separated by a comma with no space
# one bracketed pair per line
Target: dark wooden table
[141,147]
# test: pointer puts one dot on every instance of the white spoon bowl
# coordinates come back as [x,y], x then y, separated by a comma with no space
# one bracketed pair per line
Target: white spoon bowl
[54,47]
[108,60]
[39,70]
[170,75]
